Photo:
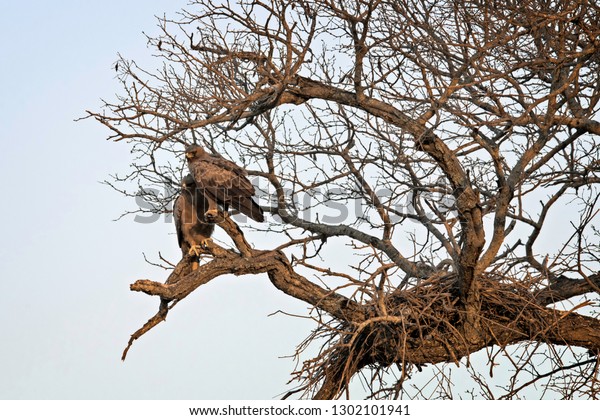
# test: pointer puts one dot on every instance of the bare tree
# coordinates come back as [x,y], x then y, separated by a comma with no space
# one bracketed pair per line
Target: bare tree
[430,170]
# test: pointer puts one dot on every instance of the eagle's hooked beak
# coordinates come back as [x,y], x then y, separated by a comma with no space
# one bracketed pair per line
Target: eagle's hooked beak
[189,155]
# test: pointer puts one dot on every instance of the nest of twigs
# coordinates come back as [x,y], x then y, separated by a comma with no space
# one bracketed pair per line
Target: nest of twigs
[423,324]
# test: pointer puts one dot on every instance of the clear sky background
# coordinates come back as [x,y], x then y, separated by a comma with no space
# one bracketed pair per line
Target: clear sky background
[66,266]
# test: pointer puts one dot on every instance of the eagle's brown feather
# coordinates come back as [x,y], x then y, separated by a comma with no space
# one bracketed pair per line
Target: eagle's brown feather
[223,181]
[189,211]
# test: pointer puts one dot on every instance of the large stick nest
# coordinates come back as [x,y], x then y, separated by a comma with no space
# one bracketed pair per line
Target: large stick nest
[421,325]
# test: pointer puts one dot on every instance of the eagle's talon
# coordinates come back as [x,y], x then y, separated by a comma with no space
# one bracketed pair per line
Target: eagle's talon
[195,250]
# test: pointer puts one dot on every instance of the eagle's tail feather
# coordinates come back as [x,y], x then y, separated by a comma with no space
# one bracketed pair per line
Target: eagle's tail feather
[250,209]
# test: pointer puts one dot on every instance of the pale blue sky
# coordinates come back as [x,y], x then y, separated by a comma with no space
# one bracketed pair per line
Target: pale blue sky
[65,266]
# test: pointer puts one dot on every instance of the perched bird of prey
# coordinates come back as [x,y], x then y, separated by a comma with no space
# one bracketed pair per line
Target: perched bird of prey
[192,214]
[223,181]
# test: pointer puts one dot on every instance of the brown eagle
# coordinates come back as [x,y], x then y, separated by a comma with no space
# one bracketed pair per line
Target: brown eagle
[193,214]
[223,181]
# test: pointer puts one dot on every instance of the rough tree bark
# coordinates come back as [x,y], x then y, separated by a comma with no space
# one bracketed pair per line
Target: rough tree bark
[459,129]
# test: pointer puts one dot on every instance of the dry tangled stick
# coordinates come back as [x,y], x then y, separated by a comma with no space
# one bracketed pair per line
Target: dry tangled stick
[421,325]
[177,285]
[246,260]
[425,325]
